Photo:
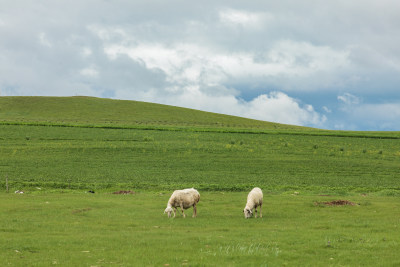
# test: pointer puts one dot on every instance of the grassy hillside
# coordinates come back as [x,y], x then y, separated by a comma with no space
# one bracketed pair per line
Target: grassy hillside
[118,113]
[93,112]
[112,145]
[111,149]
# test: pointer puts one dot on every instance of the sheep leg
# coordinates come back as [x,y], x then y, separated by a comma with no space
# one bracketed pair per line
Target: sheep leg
[174,210]
[184,216]
[194,211]
[255,212]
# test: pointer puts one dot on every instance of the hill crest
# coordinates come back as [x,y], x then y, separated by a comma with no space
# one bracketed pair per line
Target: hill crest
[81,110]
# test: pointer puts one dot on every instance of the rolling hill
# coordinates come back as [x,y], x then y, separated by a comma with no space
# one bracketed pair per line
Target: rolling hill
[90,112]
[118,113]
[56,150]
[83,142]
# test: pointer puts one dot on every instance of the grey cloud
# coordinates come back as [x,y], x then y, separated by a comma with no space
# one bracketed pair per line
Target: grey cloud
[56,48]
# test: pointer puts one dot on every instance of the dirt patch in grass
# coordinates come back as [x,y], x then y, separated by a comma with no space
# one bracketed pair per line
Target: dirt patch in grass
[81,210]
[336,203]
[124,192]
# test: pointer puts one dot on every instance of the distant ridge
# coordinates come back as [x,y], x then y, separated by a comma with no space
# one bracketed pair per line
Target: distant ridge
[83,111]
[80,110]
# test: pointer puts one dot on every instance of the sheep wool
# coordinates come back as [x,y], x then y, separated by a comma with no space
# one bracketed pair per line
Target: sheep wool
[184,199]
[254,200]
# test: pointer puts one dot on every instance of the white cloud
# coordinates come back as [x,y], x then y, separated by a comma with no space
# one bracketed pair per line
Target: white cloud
[326,109]
[279,107]
[196,76]
[349,99]
[89,72]
[189,62]
[274,107]
[86,52]
[232,17]
[44,40]
[306,58]
[214,52]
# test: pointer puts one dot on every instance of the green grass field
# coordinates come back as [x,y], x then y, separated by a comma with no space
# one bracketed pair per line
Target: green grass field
[95,158]
[77,229]
[56,149]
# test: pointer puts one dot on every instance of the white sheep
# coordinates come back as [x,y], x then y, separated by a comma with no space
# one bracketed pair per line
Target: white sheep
[254,199]
[184,199]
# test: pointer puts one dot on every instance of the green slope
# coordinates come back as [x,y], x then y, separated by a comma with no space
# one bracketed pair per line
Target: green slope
[98,111]
[108,113]
[120,143]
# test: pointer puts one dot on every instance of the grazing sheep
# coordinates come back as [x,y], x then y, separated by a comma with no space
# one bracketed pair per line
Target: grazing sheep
[184,199]
[254,199]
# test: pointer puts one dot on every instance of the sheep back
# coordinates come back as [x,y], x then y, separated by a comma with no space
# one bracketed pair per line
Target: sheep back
[188,198]
[255,197]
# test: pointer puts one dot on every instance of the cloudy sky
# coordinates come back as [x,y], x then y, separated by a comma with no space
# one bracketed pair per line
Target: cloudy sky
[325,64]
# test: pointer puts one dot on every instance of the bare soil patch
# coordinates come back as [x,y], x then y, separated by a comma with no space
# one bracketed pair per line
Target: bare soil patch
[336,203]
[81,210]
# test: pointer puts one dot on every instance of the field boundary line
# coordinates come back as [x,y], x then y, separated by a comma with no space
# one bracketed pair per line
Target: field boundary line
[317,132]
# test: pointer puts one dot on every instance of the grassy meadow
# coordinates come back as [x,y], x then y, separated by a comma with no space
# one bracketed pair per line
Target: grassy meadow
[78,229]
[95,158]
[57,149]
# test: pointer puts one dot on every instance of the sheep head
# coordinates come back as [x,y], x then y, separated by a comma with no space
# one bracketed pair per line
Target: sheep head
[168,211]
[247,213]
